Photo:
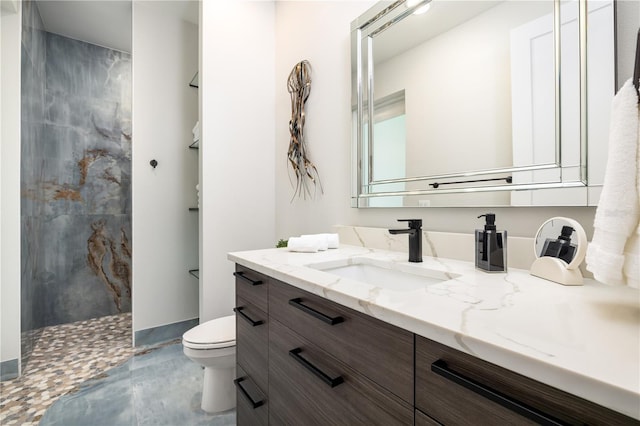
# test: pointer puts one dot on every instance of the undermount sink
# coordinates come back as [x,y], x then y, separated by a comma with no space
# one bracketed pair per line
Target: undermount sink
[388,275]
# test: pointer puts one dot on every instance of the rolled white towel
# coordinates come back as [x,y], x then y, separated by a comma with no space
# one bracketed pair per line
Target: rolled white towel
[304,245]
[321,239]
[333,240]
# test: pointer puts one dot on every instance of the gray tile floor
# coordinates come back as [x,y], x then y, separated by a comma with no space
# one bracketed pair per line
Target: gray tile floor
[157,387]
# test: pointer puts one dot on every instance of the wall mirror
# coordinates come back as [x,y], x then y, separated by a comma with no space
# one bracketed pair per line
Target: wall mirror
[481,103]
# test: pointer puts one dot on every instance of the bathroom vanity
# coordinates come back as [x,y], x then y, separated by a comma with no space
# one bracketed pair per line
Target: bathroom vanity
[316,345]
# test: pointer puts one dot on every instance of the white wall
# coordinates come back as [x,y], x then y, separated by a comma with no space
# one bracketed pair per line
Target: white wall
[324,41]
[237,149]
[318,32]
[10,30]
[165,58]
[628,21]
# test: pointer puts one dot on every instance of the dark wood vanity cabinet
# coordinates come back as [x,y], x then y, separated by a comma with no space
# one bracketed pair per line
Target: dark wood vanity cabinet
[252,347]
[377,350]
[305,360]
[251,406]
[309,361]
[455,388]
[308,386]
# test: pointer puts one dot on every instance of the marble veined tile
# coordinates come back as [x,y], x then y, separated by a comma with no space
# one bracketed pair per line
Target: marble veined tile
[156,387]
[75,177]
[81,68]
[82,268]
[33,52]
[91,402]
[32,88]
[33,34]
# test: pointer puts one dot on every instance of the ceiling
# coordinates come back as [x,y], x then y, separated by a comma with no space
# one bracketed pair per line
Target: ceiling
[105,22]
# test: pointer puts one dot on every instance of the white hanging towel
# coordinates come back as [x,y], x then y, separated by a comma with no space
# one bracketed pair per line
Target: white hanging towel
[613,254]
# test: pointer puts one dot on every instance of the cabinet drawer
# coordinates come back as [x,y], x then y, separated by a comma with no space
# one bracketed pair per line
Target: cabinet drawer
[382,352]
[423,420]
[252,287]
[252,341]
[448,400]
[299,396]
[251,402]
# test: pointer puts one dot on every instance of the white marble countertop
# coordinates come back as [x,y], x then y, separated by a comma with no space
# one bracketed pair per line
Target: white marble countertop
[584,340]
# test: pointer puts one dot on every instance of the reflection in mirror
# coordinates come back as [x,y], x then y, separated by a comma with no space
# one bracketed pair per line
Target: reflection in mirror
[556,239]
[479,97]
[560,246]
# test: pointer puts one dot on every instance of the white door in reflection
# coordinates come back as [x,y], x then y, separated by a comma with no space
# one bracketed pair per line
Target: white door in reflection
[389,161]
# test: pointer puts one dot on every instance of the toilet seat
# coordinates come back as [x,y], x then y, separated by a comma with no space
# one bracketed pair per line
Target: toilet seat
[215,334]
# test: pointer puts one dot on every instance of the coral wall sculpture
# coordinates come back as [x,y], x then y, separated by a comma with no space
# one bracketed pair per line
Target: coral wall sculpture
[299,87]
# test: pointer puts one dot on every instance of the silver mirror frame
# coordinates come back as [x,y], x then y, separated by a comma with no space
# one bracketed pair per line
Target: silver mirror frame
[384,15]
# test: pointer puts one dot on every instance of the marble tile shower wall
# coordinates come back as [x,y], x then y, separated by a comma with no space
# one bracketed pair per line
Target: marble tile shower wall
[76,182]
[32,117]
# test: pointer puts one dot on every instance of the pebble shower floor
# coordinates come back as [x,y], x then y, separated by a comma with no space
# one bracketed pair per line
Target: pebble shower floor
[65,356]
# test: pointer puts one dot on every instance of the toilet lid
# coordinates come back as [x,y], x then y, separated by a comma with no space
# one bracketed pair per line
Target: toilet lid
[217,333]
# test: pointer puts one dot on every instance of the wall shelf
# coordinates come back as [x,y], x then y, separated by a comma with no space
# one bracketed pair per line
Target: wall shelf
[195,273]
[194,209]
[195,145]
[194,81]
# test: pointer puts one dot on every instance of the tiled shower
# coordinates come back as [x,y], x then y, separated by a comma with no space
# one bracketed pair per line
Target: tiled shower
[75,180]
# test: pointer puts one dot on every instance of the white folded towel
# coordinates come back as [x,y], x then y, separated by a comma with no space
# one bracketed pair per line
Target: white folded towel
[321,239]
[618,214]
[304,245]
[333,240]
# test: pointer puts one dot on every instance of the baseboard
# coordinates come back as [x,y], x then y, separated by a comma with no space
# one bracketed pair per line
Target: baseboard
[9,369]
[163,333]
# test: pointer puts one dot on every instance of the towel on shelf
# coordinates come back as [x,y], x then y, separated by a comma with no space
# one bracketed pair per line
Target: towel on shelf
[612,255]
[198,195]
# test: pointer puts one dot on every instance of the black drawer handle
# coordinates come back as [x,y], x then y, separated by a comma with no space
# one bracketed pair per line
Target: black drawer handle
[255,404]
[249,280]
[440,367]
[331,381]
[297,302]
[253,323]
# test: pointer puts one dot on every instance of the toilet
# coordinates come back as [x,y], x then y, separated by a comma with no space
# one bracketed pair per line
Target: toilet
[213,345]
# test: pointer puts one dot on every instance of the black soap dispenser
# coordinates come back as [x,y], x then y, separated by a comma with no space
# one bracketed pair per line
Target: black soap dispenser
[491,246]
[561,247]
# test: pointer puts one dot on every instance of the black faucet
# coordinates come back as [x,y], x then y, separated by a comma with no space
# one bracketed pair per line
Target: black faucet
[415,238]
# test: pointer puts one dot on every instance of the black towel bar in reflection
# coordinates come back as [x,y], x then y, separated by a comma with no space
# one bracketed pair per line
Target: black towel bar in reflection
[435,185]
